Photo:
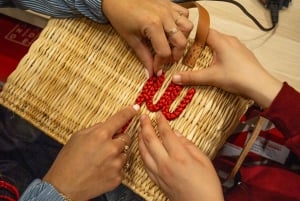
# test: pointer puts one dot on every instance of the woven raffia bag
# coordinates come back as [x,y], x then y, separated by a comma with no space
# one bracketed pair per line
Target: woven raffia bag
[78,73]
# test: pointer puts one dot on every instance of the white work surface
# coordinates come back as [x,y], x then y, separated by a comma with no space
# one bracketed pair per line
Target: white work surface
[278,50]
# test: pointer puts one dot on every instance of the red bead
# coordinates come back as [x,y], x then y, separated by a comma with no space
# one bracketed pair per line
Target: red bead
[151,87]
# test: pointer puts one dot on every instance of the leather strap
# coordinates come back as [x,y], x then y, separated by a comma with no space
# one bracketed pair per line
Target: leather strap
[261,121]
[194,52]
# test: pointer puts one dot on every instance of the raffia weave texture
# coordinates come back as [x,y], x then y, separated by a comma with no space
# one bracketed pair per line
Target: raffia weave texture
[78,73]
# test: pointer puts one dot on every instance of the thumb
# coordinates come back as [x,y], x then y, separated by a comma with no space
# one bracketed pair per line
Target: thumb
[201,77]
[214,40]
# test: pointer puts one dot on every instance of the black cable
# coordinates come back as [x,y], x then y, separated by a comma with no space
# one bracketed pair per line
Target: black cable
[274,9]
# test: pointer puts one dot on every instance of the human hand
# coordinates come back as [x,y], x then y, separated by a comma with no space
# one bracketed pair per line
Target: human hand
[164,23]
[176,165]
[235,69]
[91,163]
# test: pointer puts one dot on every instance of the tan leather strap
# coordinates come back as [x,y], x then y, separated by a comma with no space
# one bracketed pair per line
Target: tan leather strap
[201,34]
[247,147]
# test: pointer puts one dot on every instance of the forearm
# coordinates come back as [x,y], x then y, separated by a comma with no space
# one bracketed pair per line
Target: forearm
[62,8]
[284,111]
[40,191]
[261,87]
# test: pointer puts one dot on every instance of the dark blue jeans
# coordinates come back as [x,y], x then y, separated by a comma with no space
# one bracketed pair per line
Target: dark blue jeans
[27,153]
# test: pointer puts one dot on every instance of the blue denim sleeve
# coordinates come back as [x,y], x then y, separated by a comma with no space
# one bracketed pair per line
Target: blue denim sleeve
[64,8]
[39,191]
[61,8]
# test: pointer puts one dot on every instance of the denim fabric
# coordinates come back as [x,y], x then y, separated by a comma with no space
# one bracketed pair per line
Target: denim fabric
[25,152]
[123,193]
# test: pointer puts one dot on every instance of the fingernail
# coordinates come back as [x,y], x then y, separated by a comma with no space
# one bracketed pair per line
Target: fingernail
[147,73]
[176,78]
[136,107]
[159,73]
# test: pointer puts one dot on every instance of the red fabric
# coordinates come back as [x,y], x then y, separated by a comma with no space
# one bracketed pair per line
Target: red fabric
[284,112]
[15,39]
[8,191]
[294,144]
[264,183]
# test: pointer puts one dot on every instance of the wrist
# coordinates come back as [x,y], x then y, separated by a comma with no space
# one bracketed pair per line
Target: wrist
[265,90]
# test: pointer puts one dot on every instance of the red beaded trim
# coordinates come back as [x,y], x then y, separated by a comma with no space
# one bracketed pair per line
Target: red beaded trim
[151,87]
[149,90]
[10,188]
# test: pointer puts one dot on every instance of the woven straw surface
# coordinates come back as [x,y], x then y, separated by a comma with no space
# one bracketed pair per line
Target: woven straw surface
[78,73]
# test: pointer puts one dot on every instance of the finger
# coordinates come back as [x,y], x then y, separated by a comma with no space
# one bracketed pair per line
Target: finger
[123,138]
[159,62]
[149,163]
[122,157]
[151,141]
[184,25]
[143,53]
[145,155]
[160,44]
[202,77]
[180,10]
[214,40]
[176,38]
[182,21]
[118,163]
[169,139]
[178,42]
[120,119]
[124,160]
[153,175]
[117,147]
